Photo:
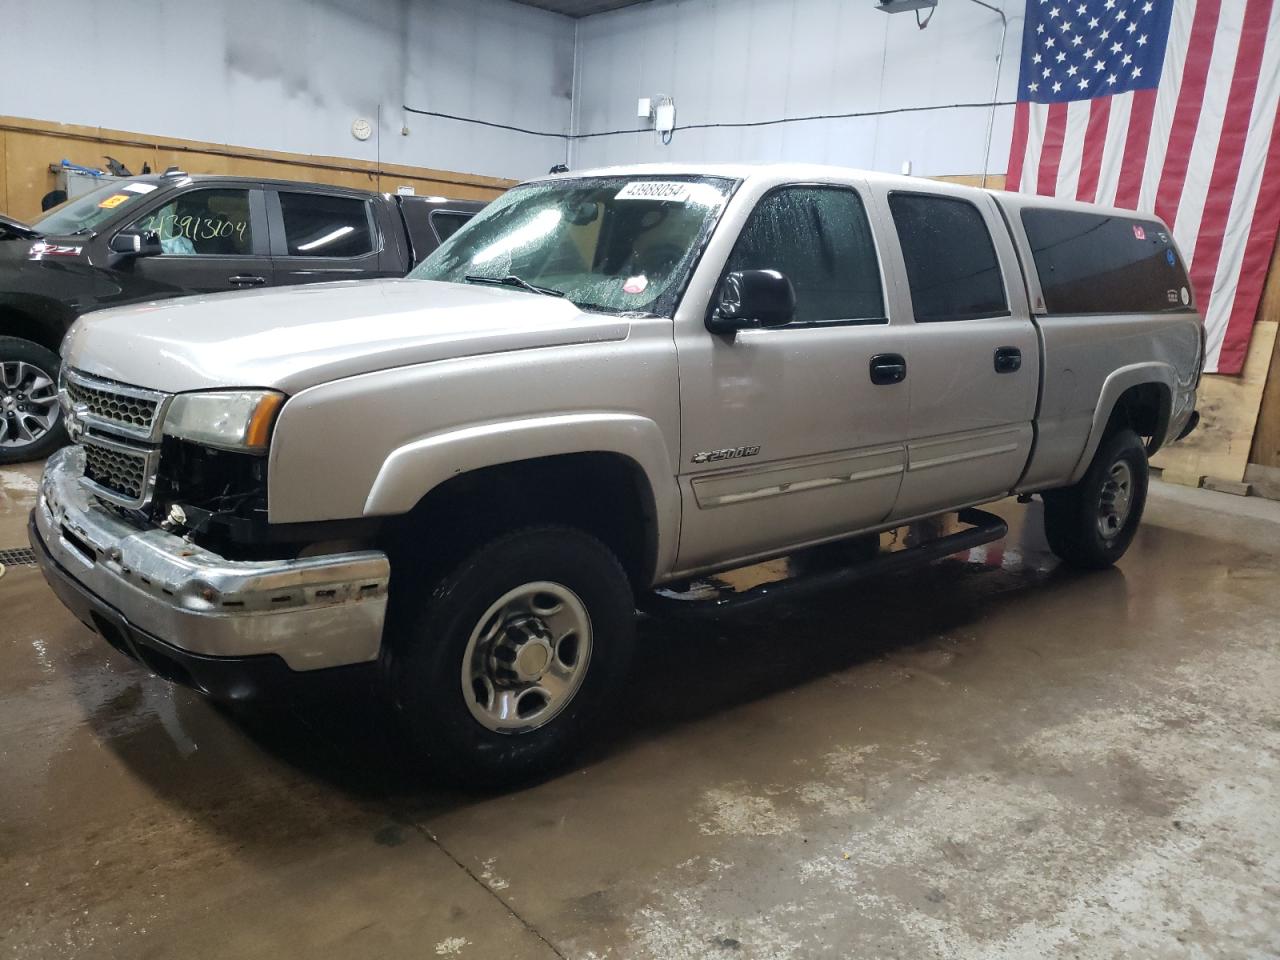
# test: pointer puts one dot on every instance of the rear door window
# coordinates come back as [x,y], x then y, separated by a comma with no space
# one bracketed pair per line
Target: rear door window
[202,223]
[820,240]
[1099,263]
[447,223]
[319,225]
[951,263]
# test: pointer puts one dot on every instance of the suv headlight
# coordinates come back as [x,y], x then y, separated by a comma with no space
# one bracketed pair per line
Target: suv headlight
[239,420]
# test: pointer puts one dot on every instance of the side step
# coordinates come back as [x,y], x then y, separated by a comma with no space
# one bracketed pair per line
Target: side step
[983,528]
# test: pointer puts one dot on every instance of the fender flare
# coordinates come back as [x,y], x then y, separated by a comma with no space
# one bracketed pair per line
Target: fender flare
[1117,382]
[414,469]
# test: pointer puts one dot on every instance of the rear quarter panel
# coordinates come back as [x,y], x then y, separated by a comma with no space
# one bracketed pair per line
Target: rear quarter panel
[1089,360]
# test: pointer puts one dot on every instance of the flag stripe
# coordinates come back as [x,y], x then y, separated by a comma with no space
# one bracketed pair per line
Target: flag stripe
[1186,116]
[1072,148]
[1226,166]
[1135,148]
[1095,139]
[1018,149]
[1038,120]
[1051,152]
[1233,300]
[1113,149]
[1231,352]
[1204,148]
[1168,97]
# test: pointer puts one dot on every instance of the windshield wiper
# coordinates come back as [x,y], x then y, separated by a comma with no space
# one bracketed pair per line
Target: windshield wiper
[511,280]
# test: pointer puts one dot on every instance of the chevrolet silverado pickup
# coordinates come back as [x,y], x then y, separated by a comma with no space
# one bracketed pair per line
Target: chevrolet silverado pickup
[461,485]
[153,237]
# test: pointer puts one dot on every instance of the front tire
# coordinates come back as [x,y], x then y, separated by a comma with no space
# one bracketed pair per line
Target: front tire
[1091,524]
[31,424]
[503,670]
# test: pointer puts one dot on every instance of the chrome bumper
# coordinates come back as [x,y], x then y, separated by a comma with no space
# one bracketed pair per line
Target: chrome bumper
[317,612]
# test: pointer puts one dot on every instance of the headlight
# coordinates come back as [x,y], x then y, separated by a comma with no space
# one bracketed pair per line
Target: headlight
[239,420]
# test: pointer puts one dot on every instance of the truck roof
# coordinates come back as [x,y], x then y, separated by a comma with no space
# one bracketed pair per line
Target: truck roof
[799,172]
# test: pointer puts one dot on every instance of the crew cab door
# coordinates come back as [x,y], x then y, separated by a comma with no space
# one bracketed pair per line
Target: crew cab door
[972,352]
[213,237]
[786,436]
[319,235]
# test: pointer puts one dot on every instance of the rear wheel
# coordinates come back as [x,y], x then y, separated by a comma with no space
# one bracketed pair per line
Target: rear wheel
[1091,524]
[30,418]
[503,670]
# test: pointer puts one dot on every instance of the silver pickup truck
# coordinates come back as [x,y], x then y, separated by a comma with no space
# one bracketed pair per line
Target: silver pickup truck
[462,484]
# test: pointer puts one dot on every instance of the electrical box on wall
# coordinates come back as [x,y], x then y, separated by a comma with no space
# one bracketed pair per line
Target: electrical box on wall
[644,108]
[664,117]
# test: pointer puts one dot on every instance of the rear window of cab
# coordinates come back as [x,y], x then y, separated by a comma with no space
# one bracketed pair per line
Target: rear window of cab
[1101,263]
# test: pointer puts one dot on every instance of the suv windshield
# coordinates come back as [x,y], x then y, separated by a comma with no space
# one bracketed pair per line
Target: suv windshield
[612,244]
[84,214]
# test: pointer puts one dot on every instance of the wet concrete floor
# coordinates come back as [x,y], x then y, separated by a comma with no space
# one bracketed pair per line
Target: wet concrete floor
[991,757]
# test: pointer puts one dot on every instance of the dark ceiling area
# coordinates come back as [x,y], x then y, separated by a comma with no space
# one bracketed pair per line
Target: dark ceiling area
[580,8]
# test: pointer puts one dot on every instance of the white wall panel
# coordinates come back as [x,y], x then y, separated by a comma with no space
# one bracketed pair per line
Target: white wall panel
[728,61]
[293,74]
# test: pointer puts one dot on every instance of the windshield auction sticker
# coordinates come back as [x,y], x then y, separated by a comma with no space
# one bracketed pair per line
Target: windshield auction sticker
[672,190]
[113,201]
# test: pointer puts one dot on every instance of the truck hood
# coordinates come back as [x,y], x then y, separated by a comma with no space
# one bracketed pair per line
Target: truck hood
[291,338]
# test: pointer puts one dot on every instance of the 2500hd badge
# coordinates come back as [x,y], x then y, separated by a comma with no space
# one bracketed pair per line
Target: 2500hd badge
[729,453]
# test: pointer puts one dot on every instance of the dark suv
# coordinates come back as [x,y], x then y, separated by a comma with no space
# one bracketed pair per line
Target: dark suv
[155,237]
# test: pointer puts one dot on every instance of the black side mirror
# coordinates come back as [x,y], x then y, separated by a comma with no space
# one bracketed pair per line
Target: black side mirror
[753,298]
[136,243]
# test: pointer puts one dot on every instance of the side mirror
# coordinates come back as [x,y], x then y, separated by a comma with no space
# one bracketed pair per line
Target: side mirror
[135,243]
[753,298]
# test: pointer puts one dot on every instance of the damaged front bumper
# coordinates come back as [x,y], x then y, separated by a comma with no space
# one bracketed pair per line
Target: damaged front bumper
[158,597]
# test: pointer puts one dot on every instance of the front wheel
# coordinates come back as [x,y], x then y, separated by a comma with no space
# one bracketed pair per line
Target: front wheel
[1091,524]
[515,656]
[30,418]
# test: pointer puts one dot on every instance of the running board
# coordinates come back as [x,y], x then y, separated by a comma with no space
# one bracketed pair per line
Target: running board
[983,528]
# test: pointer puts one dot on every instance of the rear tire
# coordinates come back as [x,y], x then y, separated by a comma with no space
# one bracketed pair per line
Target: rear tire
[1091,524]
[31,424]
[503,670]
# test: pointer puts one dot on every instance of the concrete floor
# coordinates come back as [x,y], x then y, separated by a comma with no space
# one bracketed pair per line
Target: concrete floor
[987,758]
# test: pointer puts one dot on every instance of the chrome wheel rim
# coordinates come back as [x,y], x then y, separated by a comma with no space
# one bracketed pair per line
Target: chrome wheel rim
[526,658]
[28,403]
[1115,500]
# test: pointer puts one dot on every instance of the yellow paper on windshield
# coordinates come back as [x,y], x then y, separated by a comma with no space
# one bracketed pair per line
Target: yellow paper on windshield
[114,200]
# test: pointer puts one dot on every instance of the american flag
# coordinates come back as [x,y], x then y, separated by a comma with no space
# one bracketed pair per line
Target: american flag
[1166,106]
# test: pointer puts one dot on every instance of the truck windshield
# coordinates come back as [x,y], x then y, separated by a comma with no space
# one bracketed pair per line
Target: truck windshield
[611,244]
[84,214]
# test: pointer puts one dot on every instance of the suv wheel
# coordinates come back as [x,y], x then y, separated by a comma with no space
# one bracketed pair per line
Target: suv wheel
[30,418]
[1090,525]
[513,659]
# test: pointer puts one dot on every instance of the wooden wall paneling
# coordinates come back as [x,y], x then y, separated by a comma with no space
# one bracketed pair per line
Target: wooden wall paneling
[29,146]
[1266,438]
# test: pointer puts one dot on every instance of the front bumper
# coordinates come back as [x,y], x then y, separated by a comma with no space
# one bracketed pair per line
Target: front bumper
[308,614]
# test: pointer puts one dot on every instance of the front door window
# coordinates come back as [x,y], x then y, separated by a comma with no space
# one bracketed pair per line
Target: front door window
[203,223]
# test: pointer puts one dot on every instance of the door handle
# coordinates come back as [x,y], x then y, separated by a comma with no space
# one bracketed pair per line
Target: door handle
[1008,360]
[247,280]
[888,368]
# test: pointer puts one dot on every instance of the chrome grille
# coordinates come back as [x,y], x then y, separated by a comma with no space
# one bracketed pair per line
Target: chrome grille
[117,470]
[115,407]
